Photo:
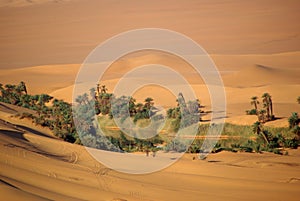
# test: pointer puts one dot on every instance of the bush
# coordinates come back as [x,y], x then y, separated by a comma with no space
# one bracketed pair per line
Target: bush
[26,115]
[251,112]
[257,148]
[277,151]
[296,130]
[294,120]
[246,149]
[274,143]
[176,145]
[291,143]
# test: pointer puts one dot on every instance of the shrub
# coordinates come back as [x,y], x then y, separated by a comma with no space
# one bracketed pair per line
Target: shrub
[294,120]
[277,151]
[296,130]
[257,148]
[26,115]
[176,145]
[246,149]
[251,112]
[291,143]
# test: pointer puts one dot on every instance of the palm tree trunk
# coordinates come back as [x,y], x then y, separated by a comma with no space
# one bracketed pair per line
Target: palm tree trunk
[265,138]
[268,113]
[271,107]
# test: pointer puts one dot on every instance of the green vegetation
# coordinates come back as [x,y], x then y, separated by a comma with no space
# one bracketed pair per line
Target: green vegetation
[254,102]
[266,113]
[294,122]
[58,116]
[268,106]
[264,140]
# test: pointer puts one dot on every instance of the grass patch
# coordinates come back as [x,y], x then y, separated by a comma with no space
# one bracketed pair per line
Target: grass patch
[233,137]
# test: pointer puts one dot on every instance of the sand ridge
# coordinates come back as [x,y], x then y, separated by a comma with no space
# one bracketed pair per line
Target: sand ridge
[244,82]
[40,167]
[66,31]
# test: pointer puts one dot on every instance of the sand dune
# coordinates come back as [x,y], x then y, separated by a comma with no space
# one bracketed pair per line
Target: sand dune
[40,167]
[240,83]
[65,32]
[41,79]
[255,45]
[259,76]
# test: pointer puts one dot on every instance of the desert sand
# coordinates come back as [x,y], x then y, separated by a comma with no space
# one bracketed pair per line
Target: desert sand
[37,166]
[254,44]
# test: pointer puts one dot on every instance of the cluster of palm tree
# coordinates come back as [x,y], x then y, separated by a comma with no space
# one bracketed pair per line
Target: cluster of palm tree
[53,113]
[57,115]
[266,113]
[60,117]
[14,94]
[124,107]
[270,141]
[62,122]
[91,136]
[185,113]
[103,103]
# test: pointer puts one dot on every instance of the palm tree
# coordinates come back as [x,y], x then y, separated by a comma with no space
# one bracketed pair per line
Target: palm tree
[257,129]
[79,99]
[146,111]
[132,109]
[267,100]
[22,87]
[56,113]
[10,94]
[192,107]
[103,89]
[139,107]
[44,98]
[10,87]
[182,104]
[33,101]
[93,93]
[294,120]
[261,116]
[85,98]
[98,89]
[271,107]
[25,101]
[255,102]
[105,103]
[148,103]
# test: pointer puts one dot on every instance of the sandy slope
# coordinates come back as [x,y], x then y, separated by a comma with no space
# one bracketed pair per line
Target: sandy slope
[37,166]
[264,74]
[255,45]
[56,32]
